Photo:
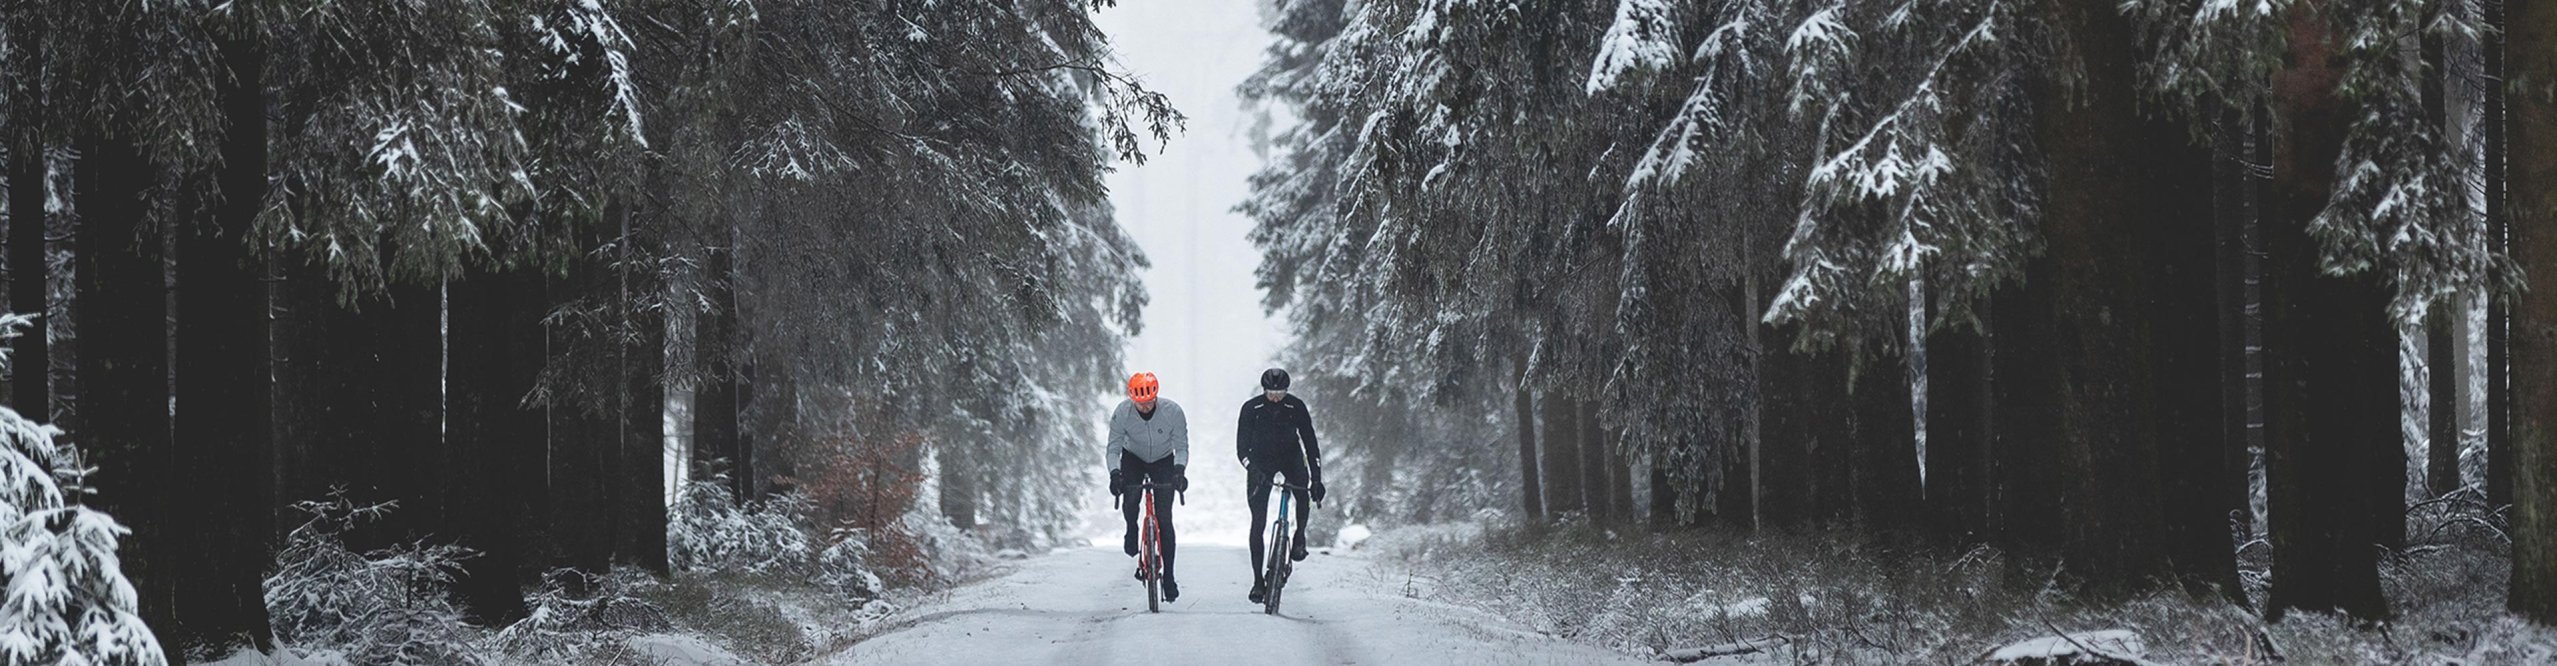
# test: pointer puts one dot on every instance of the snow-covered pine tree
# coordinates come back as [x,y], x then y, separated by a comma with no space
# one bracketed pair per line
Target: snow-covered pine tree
[1704,211]
[2369,195]
[2400,208]
[67,600]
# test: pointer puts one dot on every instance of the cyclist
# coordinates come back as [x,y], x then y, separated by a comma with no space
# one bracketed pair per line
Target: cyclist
[1274,436]
[1150,439]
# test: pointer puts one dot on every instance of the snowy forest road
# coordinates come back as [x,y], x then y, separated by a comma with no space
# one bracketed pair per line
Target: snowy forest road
[1082,606]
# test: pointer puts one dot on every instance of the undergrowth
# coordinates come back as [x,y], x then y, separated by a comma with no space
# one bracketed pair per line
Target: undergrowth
[1840,598]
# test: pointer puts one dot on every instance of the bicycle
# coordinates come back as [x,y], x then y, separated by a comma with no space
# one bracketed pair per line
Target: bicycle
[1149,559]
[1280,565]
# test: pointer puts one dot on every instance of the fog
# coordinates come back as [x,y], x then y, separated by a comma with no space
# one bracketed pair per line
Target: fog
[1205,334]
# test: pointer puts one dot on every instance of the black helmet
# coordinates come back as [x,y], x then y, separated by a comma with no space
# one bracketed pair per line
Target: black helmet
[1274,379]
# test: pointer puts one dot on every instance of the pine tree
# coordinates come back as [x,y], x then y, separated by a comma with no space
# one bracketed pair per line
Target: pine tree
[68,599]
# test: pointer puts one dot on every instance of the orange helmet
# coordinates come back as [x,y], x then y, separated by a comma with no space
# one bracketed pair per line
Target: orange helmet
[1142,387]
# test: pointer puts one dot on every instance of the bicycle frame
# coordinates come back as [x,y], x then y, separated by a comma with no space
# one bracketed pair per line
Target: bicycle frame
[1280,565]
[1149,563]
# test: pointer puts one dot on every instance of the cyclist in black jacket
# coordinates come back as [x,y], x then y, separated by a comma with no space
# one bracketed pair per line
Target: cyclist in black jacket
[1274,436]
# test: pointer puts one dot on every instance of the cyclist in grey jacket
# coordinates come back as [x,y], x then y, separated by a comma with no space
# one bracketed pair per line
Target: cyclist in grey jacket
[1150,439]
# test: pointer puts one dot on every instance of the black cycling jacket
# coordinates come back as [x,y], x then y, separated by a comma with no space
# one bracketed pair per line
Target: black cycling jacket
[1274,431]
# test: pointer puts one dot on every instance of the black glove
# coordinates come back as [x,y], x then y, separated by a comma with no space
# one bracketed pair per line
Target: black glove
[1118,482]
[1180,478]
[1318,482]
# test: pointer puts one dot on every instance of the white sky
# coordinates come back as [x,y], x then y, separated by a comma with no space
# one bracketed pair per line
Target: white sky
[1204,332]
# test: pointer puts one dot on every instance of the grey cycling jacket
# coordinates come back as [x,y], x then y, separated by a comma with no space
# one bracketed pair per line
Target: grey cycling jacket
[1167,434]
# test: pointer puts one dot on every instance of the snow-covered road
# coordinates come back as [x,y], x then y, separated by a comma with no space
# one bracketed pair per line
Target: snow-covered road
[1081,606]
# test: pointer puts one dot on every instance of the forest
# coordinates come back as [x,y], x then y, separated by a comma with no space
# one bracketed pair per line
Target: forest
[431,331]
[438,271]
[2143,289]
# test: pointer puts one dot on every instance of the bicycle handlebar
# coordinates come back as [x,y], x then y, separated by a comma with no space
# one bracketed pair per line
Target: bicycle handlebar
[1182,496]
[1291,486]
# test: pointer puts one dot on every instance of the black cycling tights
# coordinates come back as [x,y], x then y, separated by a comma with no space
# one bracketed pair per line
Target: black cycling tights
[1259,485]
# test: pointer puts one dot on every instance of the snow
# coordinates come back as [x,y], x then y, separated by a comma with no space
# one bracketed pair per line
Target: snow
[1713,603]
[1350,537]
[248,657]
[1080,606]
[1639,39]
[682,650]
[2087,647]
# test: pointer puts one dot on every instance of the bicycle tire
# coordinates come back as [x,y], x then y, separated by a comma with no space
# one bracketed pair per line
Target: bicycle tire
[1150,567]
[1276,573]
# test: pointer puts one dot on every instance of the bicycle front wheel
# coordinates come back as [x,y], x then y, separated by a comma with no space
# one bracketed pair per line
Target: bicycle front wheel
[1153,589]
[1275,574]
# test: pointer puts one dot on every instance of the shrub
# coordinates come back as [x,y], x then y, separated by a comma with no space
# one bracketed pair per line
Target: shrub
[712,532]
[387,606]
[579,618]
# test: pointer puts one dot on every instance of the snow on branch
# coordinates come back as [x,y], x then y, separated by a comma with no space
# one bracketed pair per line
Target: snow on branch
[1936,186]
[1638,40]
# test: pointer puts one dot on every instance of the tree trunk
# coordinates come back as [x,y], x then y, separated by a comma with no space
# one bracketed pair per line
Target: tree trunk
[1787,476]
[1663,500]
[2025,519]
[124,373]
[496,358]
[1754,427]
[772,411]
[716,440]
[1563,493]
[29,363]
[958,490]
[222,384]
[2499,422]
[1532,495]
[2202,484]
[1957,432]
[2114,177]
[579,495]
[2533,151]
[2434,468]
[1828,439]
[1883,450]
[359,389]
[1620,477]
[2331,386]
[641,403]
[409,422]
[2440,464]
[2233,187]
[1594,463]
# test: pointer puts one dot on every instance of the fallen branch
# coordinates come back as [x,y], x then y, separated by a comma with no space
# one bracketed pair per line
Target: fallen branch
[1685,655]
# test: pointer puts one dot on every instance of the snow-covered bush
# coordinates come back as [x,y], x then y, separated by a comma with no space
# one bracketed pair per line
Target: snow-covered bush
[840,568]
[384,607]
[67,601]
[711,532]
[579,618]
